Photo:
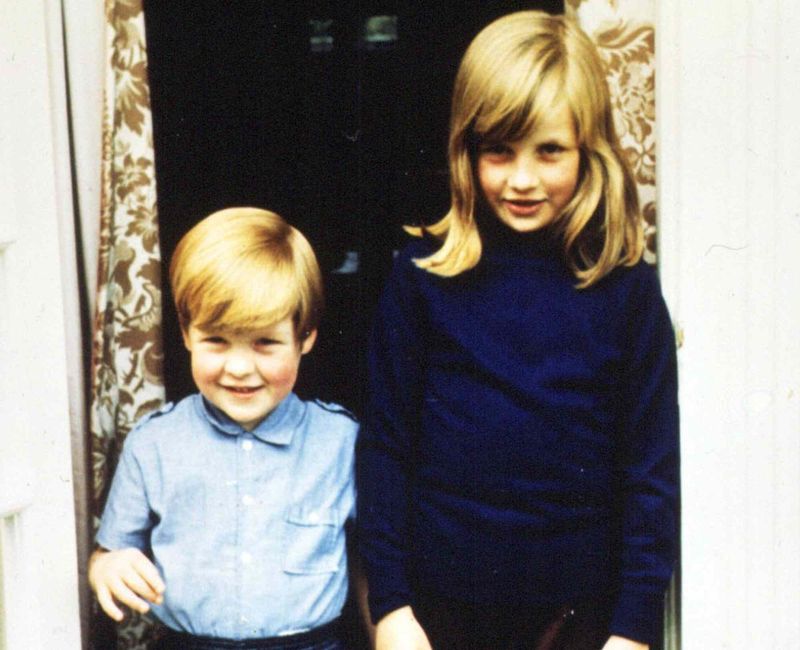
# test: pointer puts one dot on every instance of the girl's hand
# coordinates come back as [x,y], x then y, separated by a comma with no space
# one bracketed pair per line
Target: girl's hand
[125,576]
[399,630]
[621,643]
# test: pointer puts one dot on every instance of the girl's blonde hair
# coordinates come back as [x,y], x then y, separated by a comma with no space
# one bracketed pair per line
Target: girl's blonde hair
[515,70]
[243,269]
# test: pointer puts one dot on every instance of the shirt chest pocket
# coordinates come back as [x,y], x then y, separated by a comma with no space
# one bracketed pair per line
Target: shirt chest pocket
[311,542]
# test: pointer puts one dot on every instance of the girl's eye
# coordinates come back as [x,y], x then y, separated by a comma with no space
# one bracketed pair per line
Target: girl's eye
[496,149]
[550,149]
[265,342]
[214,340]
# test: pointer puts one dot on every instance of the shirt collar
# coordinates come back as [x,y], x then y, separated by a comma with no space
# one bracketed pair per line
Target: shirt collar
[277,428]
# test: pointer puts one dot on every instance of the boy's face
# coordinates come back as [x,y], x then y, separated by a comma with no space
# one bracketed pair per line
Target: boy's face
[246,375]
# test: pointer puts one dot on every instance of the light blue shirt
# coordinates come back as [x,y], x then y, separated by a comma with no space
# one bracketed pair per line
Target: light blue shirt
[246,528]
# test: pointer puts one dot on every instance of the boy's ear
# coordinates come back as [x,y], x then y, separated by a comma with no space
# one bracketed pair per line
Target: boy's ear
[186,343]
[308,342]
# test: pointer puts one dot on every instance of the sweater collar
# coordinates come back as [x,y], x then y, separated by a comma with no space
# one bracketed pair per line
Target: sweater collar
[498,240]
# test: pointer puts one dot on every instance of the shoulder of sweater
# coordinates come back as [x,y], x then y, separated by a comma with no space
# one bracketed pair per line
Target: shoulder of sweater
[416,247]
[640,280]
[642,271]
[636,292]
[406,276]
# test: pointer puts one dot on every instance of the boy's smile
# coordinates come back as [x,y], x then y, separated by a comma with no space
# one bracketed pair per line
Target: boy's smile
[246,375]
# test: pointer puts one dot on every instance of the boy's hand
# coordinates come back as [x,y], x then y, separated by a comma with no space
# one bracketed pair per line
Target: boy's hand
[125,576]
[399,630]
[621,643]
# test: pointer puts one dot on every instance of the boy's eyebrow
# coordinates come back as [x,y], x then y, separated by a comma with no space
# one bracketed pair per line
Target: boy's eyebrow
[212,334]
[267,333]
[205,331]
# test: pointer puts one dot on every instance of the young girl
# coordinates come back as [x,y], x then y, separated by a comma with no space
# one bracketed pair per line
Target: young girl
[518,472]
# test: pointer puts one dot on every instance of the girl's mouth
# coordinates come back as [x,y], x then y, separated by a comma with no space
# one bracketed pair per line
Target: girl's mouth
[523,207]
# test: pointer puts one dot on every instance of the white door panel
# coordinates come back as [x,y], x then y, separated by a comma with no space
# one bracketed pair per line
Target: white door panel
[38,561]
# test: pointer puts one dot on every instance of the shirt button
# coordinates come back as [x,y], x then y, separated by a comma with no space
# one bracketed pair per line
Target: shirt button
[246,558]
[247,445]
[248,500]
[313,517]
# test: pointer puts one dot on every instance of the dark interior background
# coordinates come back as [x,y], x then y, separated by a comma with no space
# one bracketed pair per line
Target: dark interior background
[344,138]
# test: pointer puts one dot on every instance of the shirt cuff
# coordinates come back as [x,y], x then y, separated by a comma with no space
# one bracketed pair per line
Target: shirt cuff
[386,594]
[386,606]
[638,617]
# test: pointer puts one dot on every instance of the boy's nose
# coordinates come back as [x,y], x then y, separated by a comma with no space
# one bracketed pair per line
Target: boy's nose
[239,364]
[523,176]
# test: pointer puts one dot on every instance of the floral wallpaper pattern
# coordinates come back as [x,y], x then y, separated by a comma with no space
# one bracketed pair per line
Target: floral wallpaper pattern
[126,345]
[625,36]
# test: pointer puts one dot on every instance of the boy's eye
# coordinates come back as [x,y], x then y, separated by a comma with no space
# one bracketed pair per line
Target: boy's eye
[214,340]
[264,342]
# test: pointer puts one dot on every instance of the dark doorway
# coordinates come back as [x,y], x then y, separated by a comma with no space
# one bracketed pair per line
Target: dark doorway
[324,112]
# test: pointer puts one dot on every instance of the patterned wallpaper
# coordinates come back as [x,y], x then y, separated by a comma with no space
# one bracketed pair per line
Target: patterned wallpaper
[127,357]
[625,35]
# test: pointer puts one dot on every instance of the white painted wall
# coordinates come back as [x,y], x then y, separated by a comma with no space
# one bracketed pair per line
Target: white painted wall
[84,23]
[38,554]
[729,218]
[84,27]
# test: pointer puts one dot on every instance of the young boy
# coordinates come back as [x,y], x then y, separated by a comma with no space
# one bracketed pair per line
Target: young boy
[227,510]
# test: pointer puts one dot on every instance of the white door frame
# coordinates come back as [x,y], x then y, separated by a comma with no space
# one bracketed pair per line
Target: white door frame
[729,222]
[38,557]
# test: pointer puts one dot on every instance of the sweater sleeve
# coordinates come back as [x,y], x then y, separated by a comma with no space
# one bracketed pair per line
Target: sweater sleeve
[385,448]
[648,464]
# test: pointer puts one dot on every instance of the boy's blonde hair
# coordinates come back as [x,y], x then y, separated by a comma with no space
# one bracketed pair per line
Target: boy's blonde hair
[241,269]
[515,70]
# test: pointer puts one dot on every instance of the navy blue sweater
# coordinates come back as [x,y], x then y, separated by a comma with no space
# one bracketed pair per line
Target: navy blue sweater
[521,440]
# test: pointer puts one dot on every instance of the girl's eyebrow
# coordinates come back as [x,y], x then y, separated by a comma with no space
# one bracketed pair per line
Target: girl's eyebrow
[563,138]
[553,140]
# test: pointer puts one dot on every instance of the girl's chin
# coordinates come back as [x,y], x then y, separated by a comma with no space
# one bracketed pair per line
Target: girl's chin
[525,223]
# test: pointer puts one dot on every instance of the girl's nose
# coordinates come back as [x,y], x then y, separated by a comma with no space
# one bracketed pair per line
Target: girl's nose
[523,176]
[239,364]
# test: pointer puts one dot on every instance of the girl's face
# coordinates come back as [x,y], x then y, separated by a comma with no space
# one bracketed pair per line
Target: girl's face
[528,182]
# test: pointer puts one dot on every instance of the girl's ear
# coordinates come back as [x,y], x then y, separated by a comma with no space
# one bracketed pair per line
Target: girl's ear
[308,342]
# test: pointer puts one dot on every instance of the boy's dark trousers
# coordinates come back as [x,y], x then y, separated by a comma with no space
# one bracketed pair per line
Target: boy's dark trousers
[451,625]
[326,637]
